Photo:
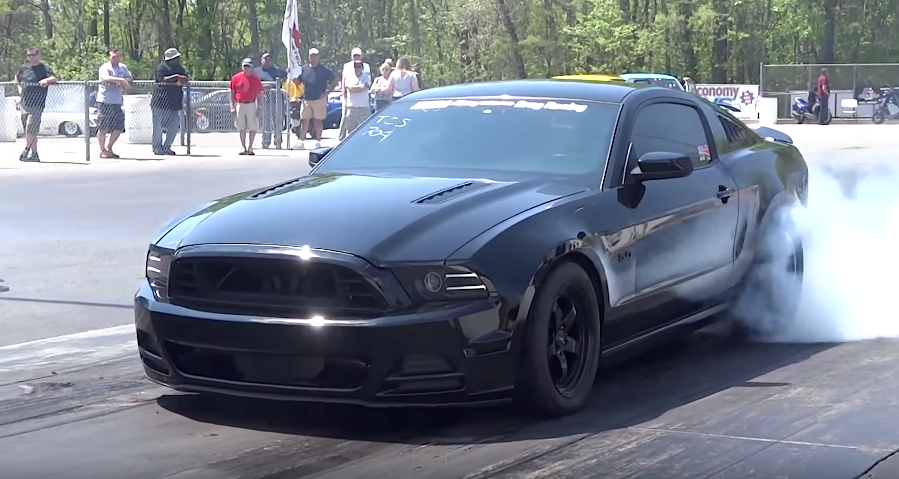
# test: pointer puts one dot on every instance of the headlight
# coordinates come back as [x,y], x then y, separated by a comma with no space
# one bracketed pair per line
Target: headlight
[158,261]
[442,283]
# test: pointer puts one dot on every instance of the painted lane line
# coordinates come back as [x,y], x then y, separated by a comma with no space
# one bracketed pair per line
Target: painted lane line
[24,361]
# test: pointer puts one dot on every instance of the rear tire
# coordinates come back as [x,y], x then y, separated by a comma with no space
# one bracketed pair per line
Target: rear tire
[561,344]
[768,297]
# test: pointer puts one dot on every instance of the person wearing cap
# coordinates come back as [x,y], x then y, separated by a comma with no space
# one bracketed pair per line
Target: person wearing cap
[269,72]
[317,80]
[357,107]
[246,104]
[348,71]
[167,101]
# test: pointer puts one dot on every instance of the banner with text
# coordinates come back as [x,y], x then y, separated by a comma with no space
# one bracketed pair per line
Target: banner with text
[744,96]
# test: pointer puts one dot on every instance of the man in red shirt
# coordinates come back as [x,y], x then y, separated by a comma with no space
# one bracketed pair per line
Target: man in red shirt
[246,104]
[823,97]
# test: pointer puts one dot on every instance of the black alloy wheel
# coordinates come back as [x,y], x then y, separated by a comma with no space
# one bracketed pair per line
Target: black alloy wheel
[562,344]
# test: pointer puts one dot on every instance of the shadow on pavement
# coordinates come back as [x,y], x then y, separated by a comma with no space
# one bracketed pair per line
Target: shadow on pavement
[629,393]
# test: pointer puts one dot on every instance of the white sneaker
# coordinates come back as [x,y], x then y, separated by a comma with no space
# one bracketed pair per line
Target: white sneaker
[317,144]
[299,145]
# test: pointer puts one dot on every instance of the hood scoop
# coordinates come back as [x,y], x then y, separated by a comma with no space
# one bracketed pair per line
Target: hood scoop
[451,192]
[266,192]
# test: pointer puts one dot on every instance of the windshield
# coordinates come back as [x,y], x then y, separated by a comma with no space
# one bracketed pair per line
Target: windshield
[564,138]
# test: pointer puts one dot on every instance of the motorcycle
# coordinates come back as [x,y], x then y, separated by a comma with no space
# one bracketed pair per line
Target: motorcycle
[882,108]
[802,112]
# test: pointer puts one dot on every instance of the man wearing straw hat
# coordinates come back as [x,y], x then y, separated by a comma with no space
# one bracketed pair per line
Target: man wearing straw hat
[167,101]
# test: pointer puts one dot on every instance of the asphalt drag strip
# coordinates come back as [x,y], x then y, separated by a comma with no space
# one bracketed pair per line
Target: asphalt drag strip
[704,408]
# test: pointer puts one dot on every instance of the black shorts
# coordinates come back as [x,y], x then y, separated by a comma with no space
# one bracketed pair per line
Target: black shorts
[110,117]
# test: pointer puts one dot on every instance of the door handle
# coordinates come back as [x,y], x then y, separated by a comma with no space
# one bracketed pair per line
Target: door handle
[724,193]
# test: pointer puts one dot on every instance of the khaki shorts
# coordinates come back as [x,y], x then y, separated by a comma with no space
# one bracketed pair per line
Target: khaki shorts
[246,117]
[315,109]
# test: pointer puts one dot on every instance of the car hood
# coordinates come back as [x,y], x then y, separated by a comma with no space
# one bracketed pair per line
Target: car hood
[381,219]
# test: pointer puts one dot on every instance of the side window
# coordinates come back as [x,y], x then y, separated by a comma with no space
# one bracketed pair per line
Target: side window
[735,133]
[671,127]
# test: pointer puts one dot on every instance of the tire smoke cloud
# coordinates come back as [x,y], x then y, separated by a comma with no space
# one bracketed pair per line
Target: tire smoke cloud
[850,237]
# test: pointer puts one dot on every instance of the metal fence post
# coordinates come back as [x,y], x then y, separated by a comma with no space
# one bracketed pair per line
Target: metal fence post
[762,79]
[188,116]
[86,129]
[286,100]
[279,115]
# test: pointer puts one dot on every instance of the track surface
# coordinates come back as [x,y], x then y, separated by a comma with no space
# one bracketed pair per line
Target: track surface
[74,404]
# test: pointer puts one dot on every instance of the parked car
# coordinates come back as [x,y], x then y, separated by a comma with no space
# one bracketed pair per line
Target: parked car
[67,123]
[655,79]
[410,268]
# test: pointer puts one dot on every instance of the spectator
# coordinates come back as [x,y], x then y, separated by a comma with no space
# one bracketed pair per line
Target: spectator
[357,106]
[348,71]
[689,85]
[317,80]
[269,72]
[33,78]
[823,97]
[381,87]
[114,79]
[167,101]
[246,104]
[403,80]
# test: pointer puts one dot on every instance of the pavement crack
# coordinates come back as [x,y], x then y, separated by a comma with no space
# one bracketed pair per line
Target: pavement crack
[880,461]
[760,439]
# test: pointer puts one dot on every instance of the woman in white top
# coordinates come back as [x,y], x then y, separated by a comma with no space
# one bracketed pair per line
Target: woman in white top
[381,87]
[403,80]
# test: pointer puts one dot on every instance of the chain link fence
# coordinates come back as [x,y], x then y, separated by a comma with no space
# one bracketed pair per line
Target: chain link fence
[204,125]
[862,82]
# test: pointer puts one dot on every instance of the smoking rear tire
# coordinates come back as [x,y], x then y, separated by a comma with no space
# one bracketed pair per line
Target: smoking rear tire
[561,344]
[768,297]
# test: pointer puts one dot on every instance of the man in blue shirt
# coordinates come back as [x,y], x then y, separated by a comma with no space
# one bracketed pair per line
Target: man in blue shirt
[114,79]
[272,126]
[317,80]
[167,101]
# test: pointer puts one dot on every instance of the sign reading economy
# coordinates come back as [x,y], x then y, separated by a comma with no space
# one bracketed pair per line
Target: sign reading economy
[744,96]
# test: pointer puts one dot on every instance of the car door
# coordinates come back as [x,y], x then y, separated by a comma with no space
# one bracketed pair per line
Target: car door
[684,227]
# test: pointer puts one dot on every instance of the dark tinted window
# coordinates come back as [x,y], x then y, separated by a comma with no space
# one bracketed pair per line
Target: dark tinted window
[735,133]
[565,138]
[671,127]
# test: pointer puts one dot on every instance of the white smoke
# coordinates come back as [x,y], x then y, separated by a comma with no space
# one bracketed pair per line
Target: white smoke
[850,234]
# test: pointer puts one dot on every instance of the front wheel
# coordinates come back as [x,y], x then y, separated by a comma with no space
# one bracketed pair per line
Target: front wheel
[561,345]
[69,129]
[800,118]
[878,117]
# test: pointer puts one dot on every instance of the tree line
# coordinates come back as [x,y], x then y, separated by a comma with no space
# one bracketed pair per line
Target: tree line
[449,41]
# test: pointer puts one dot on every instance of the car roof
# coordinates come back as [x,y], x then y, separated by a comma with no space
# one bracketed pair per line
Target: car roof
[594,77]
[640,76]
[612,92]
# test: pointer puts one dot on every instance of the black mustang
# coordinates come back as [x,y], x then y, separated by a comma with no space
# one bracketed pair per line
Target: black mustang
[473,244]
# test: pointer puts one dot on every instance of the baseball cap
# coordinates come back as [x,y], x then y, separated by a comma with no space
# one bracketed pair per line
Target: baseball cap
[313,51]
[357,51]
[247,62]
[266,55]
[171,53]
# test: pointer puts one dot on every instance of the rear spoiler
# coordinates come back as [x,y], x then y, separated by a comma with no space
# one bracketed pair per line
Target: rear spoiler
[771,134]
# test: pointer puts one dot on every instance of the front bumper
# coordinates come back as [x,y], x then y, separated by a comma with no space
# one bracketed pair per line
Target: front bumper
[436,358]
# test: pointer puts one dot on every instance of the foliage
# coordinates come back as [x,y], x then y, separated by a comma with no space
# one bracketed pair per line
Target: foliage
[455,40]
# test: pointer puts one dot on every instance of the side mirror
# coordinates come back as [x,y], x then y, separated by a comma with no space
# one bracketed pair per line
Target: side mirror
[662,165]
[317,155]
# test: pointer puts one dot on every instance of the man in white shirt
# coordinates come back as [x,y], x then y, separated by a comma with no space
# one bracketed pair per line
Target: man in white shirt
[356,107]
[348,70]
[114,79]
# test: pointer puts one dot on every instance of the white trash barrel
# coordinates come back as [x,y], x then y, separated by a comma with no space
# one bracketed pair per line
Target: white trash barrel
[138,119]
[9,120]
[767,111]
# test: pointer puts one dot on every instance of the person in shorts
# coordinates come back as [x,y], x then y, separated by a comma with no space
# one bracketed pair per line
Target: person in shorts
[246,104]
[317,80]
[114,79]
[33,79]
[357,107]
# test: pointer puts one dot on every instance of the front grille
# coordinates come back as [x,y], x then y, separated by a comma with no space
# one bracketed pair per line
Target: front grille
[267,368]
[272,287]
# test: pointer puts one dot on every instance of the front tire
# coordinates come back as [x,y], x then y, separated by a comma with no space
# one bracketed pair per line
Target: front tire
[561,345]
[70,129]
[878,117]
